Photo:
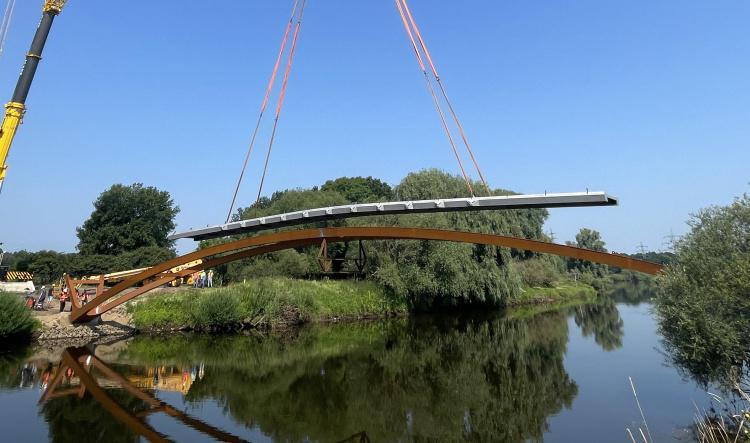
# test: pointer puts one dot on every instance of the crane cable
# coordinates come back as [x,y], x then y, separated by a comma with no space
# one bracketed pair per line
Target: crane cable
[5,26]
[442,90]
[281,98]
[262,107]
[434,96]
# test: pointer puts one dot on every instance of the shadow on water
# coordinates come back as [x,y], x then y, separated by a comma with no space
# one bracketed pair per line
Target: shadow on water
[480,377]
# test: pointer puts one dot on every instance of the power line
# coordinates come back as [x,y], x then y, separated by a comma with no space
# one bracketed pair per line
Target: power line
[671,241]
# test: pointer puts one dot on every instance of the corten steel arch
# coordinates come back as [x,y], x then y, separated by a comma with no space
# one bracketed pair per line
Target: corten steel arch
[227,252]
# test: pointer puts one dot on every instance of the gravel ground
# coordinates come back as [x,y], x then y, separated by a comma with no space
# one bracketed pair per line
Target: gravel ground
[56,326]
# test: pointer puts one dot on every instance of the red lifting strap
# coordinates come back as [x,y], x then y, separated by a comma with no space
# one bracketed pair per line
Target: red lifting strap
[263,107]
[281,97]
[422,44]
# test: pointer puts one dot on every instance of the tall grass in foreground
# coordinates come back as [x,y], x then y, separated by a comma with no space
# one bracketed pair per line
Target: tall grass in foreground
[264,302]
[16,321]
[727,420]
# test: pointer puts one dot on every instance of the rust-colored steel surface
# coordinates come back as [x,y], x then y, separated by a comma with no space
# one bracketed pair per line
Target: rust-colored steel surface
[262,244]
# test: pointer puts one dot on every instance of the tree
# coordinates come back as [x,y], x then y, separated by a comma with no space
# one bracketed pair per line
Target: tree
[433,275]
[359,189]
[590,239]
[126,218]
[703,300]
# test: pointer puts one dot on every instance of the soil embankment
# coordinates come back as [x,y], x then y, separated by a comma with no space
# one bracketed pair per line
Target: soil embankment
[56,325]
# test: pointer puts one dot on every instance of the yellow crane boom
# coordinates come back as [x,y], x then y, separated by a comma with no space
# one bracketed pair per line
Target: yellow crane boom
[16,107]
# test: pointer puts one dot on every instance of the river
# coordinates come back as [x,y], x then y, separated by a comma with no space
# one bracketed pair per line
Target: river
[542,374]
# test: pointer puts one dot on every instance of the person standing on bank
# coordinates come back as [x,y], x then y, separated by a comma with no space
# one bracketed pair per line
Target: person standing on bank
[63,298]
[210,281]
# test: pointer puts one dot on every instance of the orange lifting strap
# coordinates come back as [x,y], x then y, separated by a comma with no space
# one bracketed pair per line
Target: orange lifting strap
[263,107]
[410,24]
[281,98]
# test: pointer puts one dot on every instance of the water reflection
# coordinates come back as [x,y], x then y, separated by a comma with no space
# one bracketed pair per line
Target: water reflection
[70,417]
[602,320]
[480,377]
[490,378]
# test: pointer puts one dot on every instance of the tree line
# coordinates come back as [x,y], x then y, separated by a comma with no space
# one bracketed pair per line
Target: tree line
[127,229]
[129,225]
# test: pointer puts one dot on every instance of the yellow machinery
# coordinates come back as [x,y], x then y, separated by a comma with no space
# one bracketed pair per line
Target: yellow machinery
[16,107]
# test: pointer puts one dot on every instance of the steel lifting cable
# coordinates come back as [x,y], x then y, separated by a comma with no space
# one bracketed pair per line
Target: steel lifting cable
[281,97]
[434,96]
[445,95]
[5,26]
[271,82]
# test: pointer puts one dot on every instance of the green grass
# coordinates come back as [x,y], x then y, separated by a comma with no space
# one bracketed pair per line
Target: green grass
[16,321]
[561,291]
[265,302]
[276,301]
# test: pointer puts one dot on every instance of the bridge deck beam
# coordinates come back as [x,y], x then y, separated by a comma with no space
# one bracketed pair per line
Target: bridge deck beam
[573,199]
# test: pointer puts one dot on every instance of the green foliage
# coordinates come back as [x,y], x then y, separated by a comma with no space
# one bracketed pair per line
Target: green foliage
[292,200]
[663,258]
[84,419]
[430,275]
[592,273]
[359,189]
[590,239]
[216,310]
[16,321]
[264,302]
[163,312]
[49,266]
[126,218]
[543,270]
[602,320]
[703,301]
[435,275]
[443,379]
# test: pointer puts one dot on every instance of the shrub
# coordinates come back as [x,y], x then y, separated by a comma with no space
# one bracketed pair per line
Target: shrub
[161,312]
[214,310]
[15,319]
[538,271]
[703,301]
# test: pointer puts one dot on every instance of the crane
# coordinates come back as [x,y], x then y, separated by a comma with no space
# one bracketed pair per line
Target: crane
[16,107]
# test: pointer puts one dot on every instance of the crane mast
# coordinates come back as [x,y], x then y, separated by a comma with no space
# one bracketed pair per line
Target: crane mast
[16,107]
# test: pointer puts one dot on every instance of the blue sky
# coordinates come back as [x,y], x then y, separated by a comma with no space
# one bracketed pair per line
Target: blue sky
[646,100]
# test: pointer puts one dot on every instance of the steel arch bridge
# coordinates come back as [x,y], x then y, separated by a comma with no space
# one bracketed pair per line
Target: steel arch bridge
[151,278]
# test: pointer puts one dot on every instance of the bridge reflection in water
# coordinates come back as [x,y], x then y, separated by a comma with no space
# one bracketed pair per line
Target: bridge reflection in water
[483,377]
[74,376]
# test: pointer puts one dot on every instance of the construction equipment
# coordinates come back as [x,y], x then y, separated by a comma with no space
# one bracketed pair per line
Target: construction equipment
[16,107]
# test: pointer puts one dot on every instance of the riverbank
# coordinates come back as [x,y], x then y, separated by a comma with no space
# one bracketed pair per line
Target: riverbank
[265,303]
[273,303]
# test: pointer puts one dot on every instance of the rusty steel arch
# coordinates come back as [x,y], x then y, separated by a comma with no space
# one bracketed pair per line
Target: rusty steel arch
[248,247]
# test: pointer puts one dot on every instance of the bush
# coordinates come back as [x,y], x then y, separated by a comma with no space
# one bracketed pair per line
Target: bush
[161,312]
[216,310]
[266,302]
[703,301]
[15,318]
[539,271]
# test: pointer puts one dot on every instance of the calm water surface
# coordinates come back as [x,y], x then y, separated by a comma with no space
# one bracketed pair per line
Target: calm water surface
[529,375]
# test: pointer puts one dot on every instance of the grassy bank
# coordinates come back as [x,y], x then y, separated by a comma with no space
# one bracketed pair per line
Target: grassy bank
[560,292]
[265,302]
[16,322]
[276,302]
